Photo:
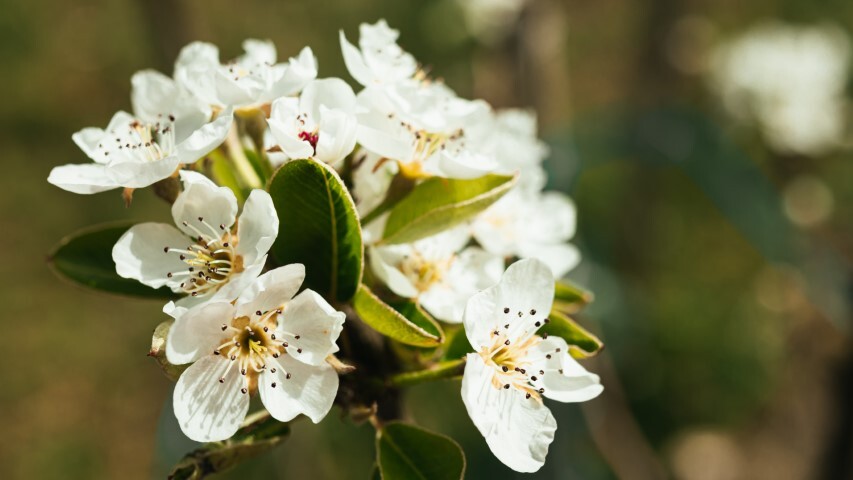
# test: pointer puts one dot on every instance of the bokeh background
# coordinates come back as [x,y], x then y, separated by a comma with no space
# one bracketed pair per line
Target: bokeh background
[707,146]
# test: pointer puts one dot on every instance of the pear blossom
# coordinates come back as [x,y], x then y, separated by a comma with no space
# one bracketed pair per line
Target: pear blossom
[321,123]
[437,272]
[131,153]
[247,82]
[421,125]
[513,368]
[509,136]
[155,96]
[206,257]
[267,341]
[378,59]
[529,225]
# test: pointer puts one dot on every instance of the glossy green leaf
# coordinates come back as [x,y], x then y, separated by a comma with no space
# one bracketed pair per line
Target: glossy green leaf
[437,204]
[582,344]
[85,258]
[389,322]
[416,314]
[258,435]
[570,298]
[406,452]
[318,227]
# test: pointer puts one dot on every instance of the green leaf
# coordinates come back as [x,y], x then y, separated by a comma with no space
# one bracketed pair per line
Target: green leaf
[389,322]
[406,452]
[457,346]
[318,228]
[570,298]
[416,314]
[259,434]
[582,344]
[437,204]
[439,371]
[85,258]
[158,351]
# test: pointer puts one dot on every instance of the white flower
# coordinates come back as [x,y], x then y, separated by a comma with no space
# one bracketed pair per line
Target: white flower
[249,81]
[131,153]
[320,123]
[207,256]
[155,97]
[530,225]
[422,125]
[435,273]
[379,60]
[509,136]
[512,368]
[790,80]
[267,341]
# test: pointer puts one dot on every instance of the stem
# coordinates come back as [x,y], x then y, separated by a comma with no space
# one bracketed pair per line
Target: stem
[440,371]
[241,163]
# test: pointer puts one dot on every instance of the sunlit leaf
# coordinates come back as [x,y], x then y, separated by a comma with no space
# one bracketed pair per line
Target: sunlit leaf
[391,323]
[437,204]
[318,227]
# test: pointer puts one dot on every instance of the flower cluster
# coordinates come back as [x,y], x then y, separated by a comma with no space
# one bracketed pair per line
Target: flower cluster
[215,138]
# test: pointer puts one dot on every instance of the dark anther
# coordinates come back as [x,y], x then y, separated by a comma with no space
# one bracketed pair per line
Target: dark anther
[505,368]
[533,311]
[506,309]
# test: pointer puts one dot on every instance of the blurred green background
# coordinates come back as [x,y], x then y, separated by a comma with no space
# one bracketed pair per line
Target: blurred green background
[726,316]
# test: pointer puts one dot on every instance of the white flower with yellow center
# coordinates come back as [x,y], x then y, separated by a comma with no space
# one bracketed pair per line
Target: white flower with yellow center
[434,272]
[132,153]
[206,256]
[267,342]
[513,368]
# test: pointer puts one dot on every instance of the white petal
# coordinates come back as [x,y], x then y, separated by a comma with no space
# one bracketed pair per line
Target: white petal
[517,430]
[207,410]
[84,178]
[295,75]
[565,380]
[137,174]
[88,140]
[560,257]
[333,93]
[337,136]
[197,332]
[203,140]
[473,270]
[523,297]
[190,177]
[355,62]
[272,289]
[383,261]
[139,254]
[259,51]
[238,282]
[464,165]
[155,96]
[310,390]
[257,226]
[289,141]
[215,205]
[317,324]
